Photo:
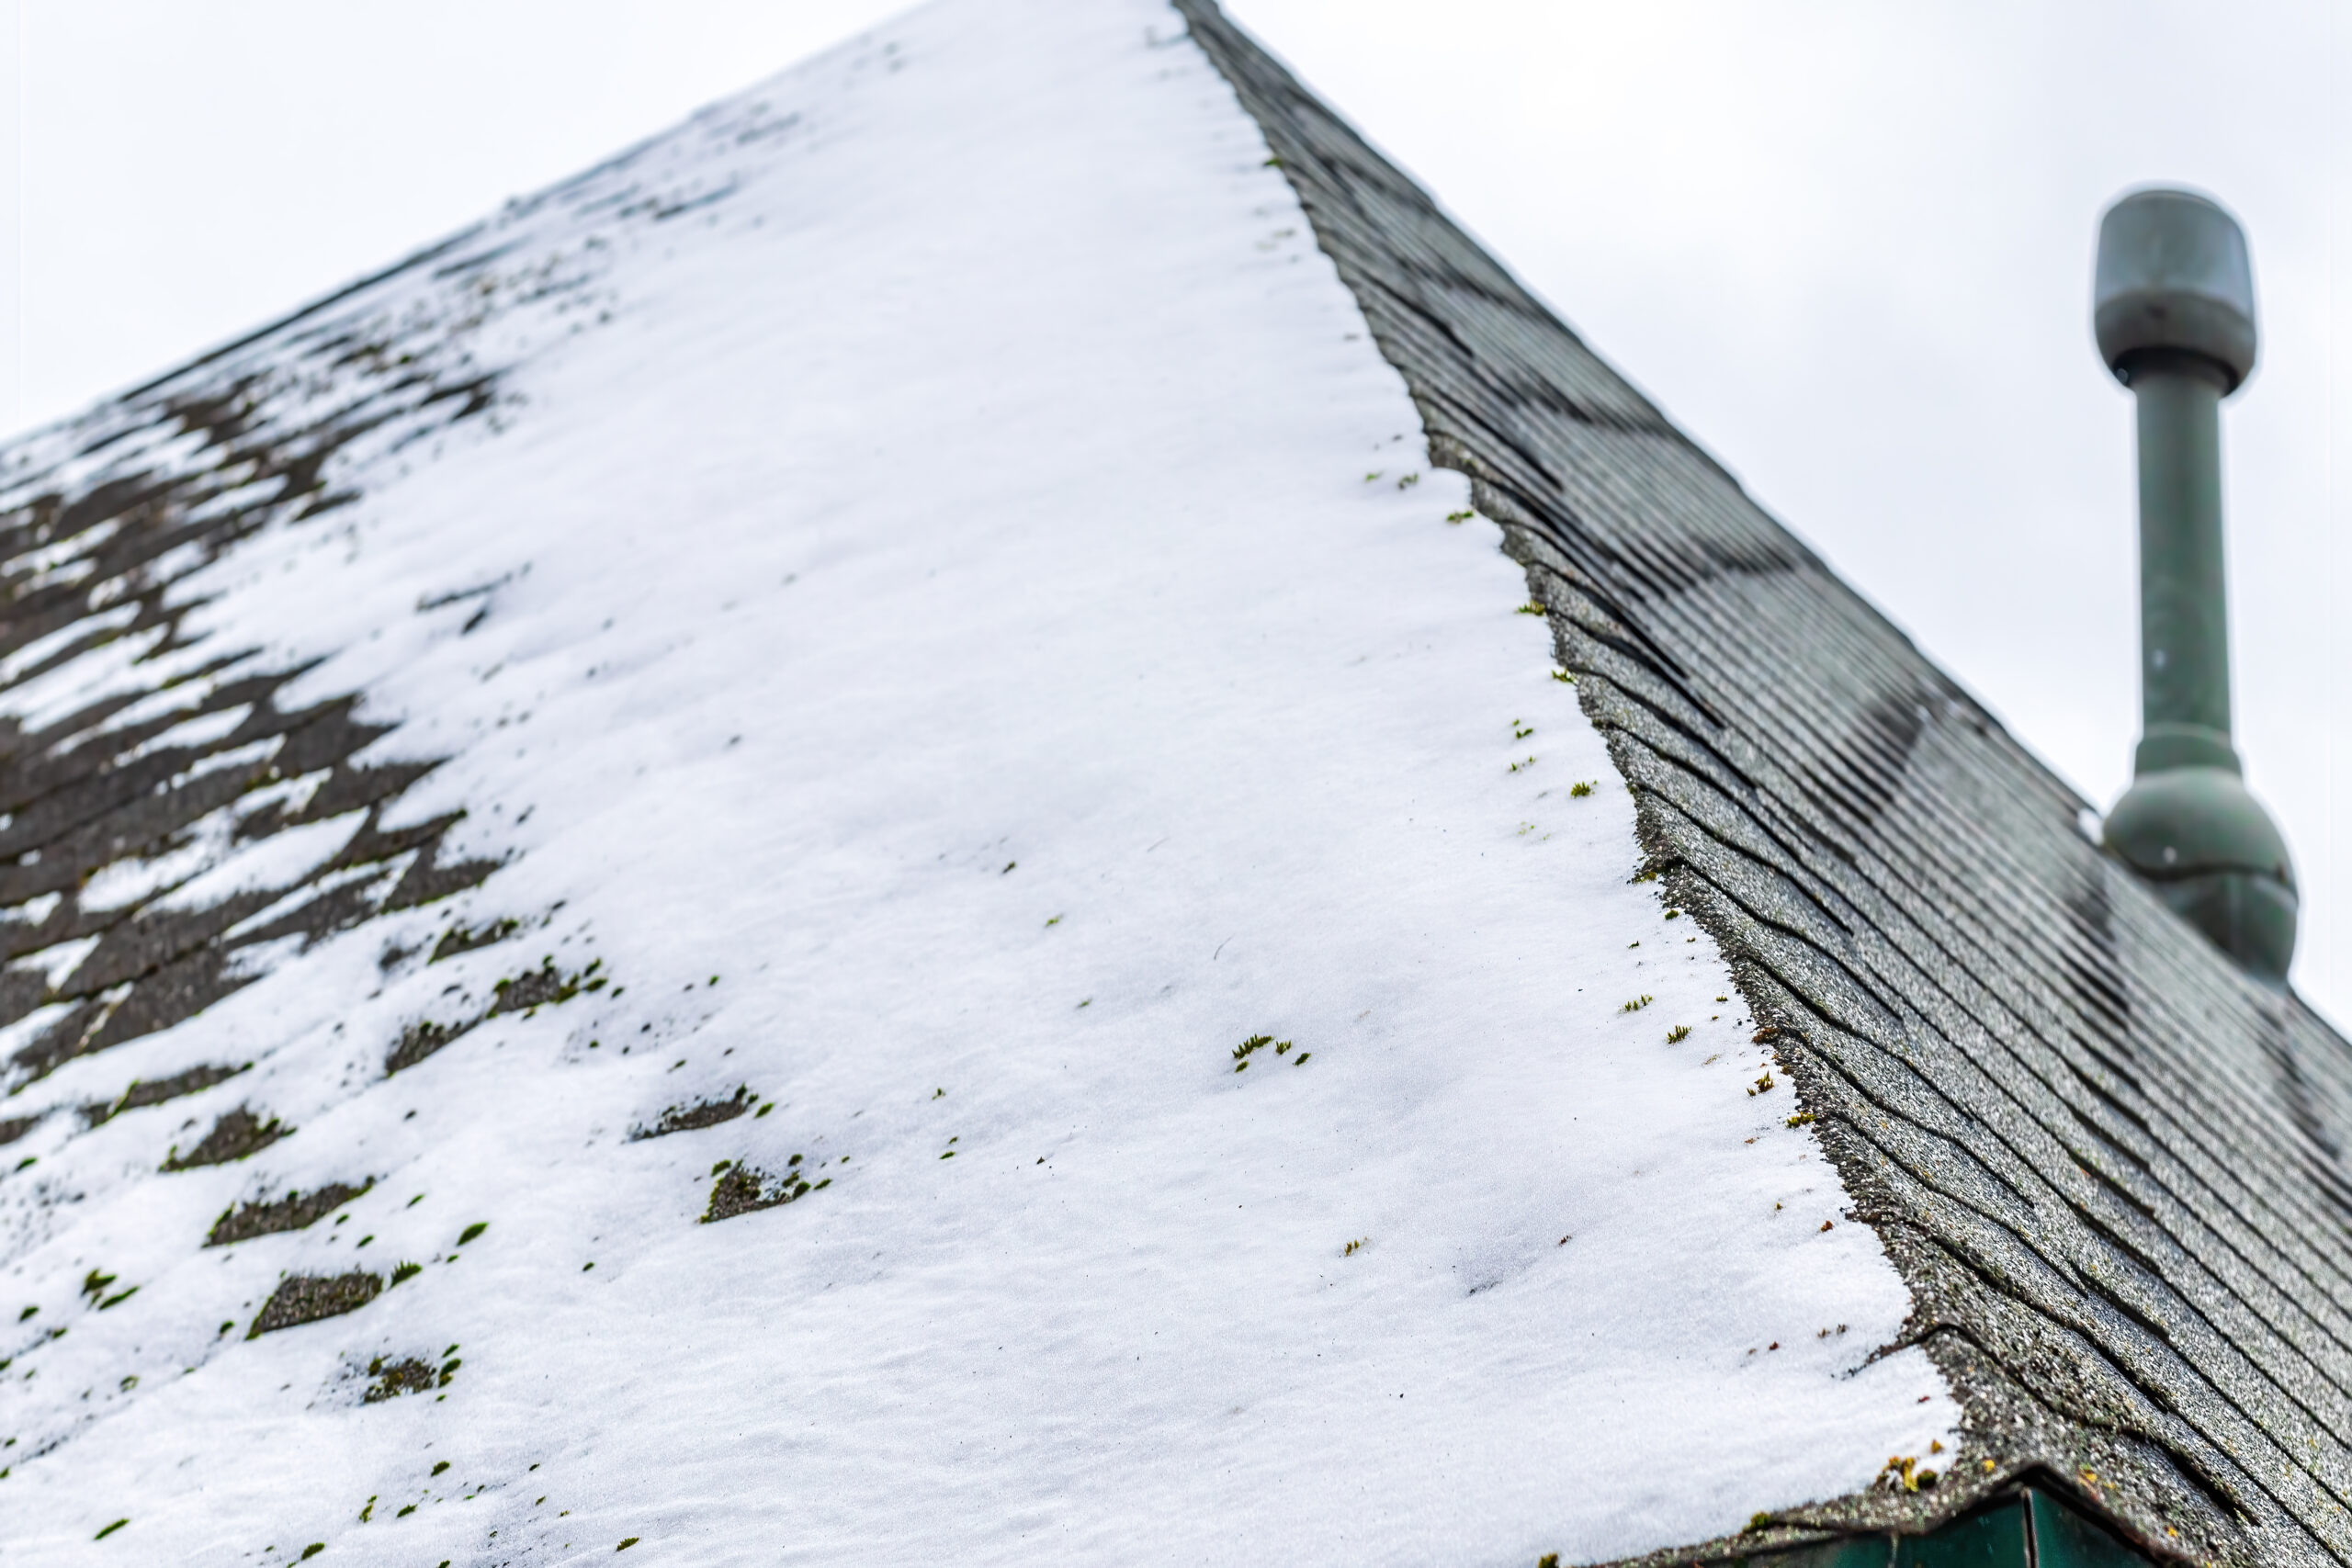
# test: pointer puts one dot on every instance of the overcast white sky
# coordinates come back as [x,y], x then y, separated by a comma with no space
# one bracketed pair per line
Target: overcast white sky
[1846,245]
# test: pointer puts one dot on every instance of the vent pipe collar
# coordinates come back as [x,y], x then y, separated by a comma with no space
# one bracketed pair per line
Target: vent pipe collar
[2173,312]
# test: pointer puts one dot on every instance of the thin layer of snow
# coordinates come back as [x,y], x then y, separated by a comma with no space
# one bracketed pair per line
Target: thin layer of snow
[972,645]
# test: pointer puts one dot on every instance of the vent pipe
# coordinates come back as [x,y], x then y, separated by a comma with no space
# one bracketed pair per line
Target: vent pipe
[2173,311]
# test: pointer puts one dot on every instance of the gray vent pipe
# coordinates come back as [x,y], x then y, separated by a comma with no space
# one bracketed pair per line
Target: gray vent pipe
[2173,310]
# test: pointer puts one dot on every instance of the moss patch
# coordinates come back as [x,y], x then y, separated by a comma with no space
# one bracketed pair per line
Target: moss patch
[465,939]
[545,986]
[740,1190]
[407,1375]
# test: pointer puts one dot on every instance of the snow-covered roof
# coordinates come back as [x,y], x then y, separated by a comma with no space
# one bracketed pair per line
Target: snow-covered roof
[844,845]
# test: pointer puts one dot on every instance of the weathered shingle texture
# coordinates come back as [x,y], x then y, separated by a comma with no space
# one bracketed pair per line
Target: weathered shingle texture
[2106,1162]
[143,749]
[135,740]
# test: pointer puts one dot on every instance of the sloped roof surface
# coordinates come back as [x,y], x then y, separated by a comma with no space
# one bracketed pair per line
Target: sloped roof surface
[825,849]
[2108,1164]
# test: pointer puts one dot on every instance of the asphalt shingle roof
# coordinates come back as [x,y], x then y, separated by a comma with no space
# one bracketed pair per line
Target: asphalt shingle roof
[2106,1163]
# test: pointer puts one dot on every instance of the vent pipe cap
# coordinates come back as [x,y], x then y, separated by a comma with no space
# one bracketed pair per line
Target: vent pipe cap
[2173,277]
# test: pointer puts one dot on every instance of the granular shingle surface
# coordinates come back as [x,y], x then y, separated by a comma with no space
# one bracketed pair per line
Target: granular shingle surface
[2108,1164]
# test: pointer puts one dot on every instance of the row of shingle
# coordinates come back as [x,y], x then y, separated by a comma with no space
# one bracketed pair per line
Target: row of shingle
[95,550]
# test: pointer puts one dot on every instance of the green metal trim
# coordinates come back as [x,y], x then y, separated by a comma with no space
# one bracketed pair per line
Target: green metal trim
[2064,1538]
[1996,1538]
[2032,1528]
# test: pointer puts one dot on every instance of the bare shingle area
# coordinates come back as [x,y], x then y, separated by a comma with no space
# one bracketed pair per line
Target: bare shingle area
[145,1092]
[296,1211]
[2106,1163]
[307,1298]
[141,740]
[236,1136]
[695,1115]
